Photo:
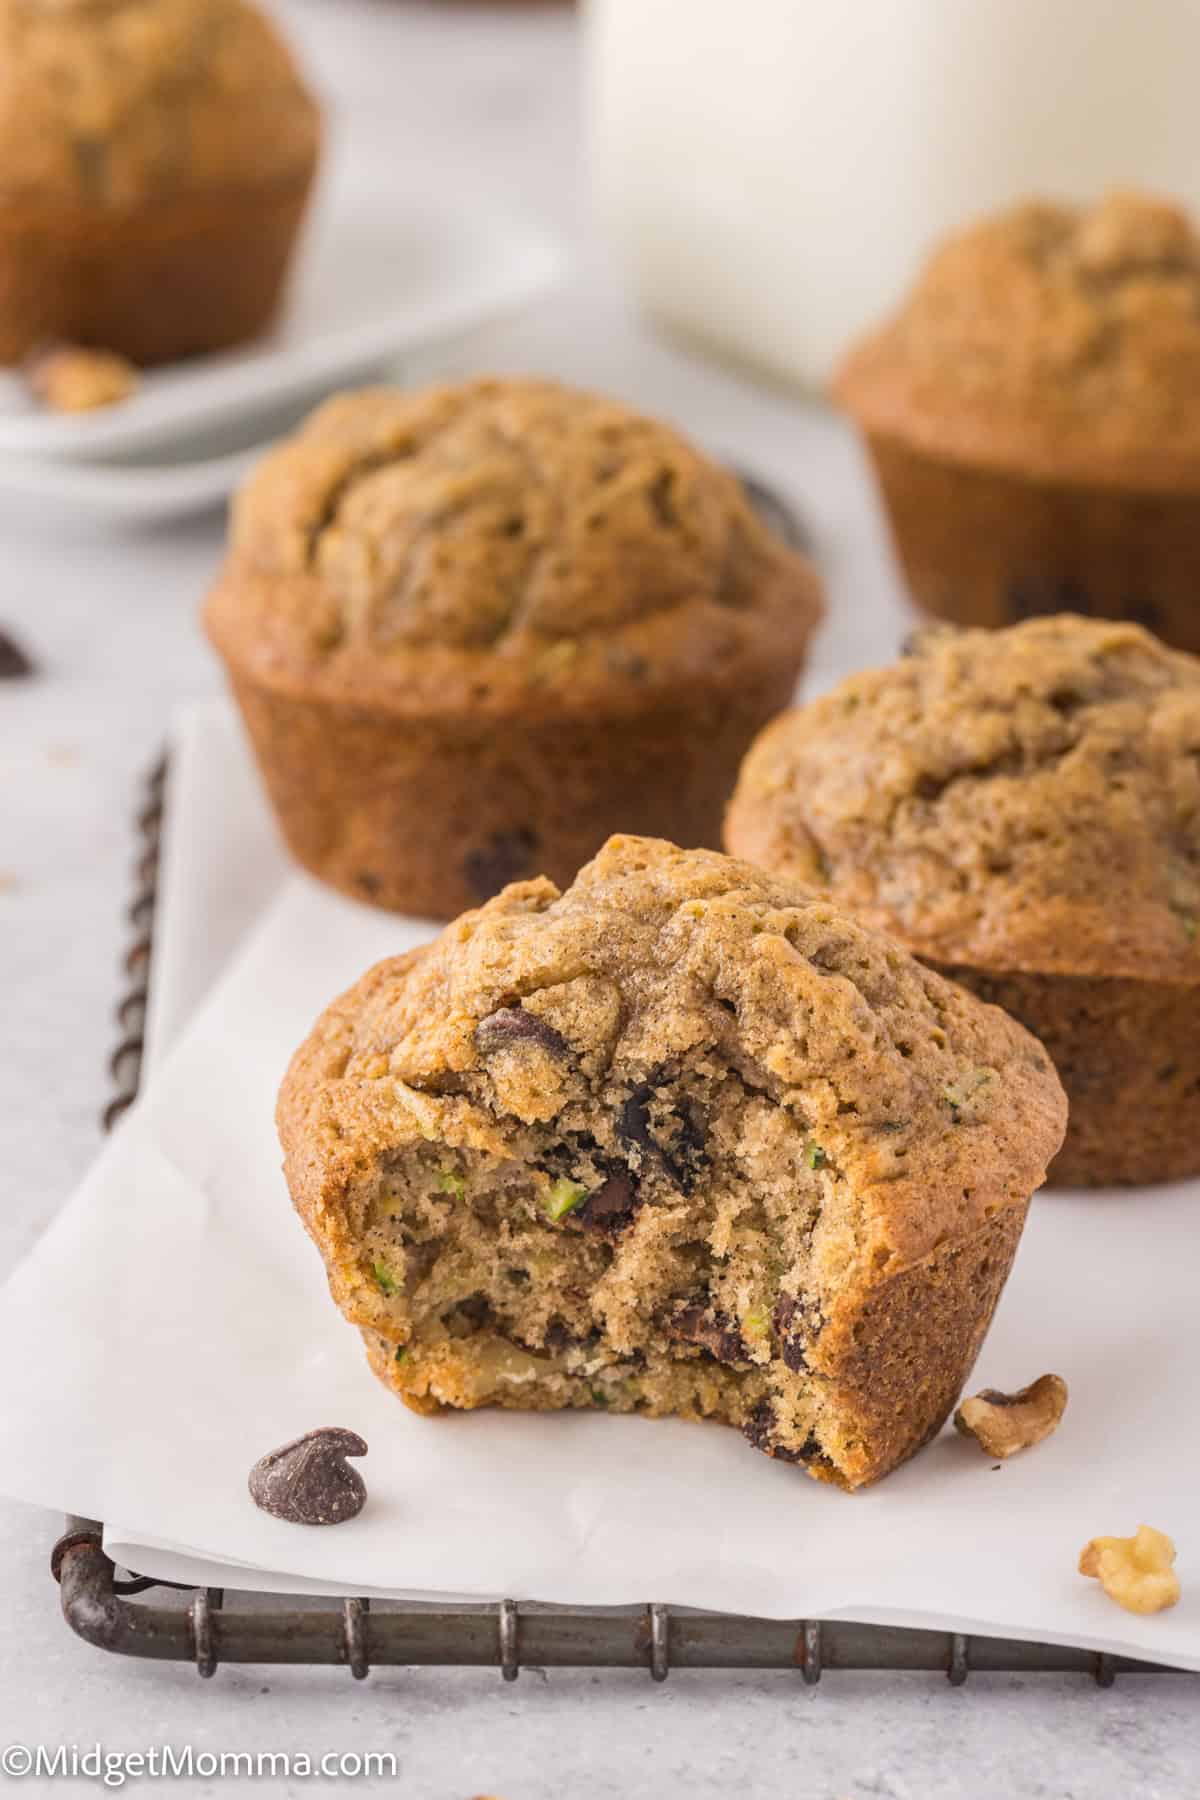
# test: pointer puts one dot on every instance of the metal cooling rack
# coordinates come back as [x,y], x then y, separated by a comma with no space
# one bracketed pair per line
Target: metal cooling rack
[110,1612]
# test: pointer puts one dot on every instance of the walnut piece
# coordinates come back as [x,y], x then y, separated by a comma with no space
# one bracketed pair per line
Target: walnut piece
[1002,1424]
[1136,1571]
[69,378]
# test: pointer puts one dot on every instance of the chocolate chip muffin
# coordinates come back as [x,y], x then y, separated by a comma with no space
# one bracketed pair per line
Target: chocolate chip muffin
[1033,415]
[1021,809]
[155,160]
[473,631]
[685,1139]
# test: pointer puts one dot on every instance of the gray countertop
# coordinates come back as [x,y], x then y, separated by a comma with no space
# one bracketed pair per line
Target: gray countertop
[110,618]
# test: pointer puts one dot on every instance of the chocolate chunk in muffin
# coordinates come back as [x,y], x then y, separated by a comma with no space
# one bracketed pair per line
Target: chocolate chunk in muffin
[513,1025]
[610,1207]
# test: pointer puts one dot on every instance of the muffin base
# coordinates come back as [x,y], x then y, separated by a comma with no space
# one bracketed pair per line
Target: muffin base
[1128,1054]
[180,276]
[980,547]
[896,1366]
[435,815]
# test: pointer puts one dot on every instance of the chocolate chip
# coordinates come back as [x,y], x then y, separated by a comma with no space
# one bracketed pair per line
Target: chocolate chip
[15,665]
[633,1120]
[924,638]
[513,1025]
[784,1313]
[758,1427]
[309,1482]
[1147,612]
[557,1338]
[611,1206]
[797,1324]
[714,1331]
[1035,596]
[1025,600]
[758,1431]
[506,856]
[628,663]
[683,1156]
[1073,598]
[691,1147]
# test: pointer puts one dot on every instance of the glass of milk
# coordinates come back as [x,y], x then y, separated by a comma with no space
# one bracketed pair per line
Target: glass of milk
[772,171]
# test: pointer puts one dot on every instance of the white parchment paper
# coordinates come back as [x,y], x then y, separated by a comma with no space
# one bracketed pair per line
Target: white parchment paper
[174,1324]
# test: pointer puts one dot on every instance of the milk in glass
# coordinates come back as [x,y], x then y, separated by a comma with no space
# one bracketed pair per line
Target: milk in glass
[771,171]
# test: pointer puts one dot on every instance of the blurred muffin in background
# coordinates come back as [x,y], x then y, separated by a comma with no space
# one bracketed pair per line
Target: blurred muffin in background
[1033,416]
[1021,810]
[476,630]
[155,161]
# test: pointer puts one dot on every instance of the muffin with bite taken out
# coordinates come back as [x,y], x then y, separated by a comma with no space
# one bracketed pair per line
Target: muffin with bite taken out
[684,1139]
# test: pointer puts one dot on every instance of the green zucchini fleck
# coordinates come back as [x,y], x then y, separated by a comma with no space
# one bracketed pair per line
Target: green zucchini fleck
[562,1198]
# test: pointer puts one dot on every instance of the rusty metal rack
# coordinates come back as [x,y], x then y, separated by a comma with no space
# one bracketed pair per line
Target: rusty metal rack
[359,1634]
[201,1627]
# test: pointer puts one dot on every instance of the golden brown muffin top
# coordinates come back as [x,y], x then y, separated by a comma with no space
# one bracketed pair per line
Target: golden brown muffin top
[935,1109]
[1023,800]
[1054,341]
[108,103]
[499,544]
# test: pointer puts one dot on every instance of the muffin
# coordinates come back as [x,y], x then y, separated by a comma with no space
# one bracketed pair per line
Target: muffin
[686,1139]
[1033,416]
[155,160]
[1021,809]
[472,631]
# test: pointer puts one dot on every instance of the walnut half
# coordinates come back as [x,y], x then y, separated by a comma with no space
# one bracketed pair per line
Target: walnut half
[1135,1571]
[1002,1424]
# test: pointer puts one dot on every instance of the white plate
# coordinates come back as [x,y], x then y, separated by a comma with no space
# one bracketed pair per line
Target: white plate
[384,270]
[116,494]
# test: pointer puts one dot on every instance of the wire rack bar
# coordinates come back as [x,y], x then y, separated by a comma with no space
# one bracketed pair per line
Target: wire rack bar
[506,1637]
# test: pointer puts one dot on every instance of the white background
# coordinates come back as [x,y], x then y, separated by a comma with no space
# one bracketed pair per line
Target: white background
[473,95]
